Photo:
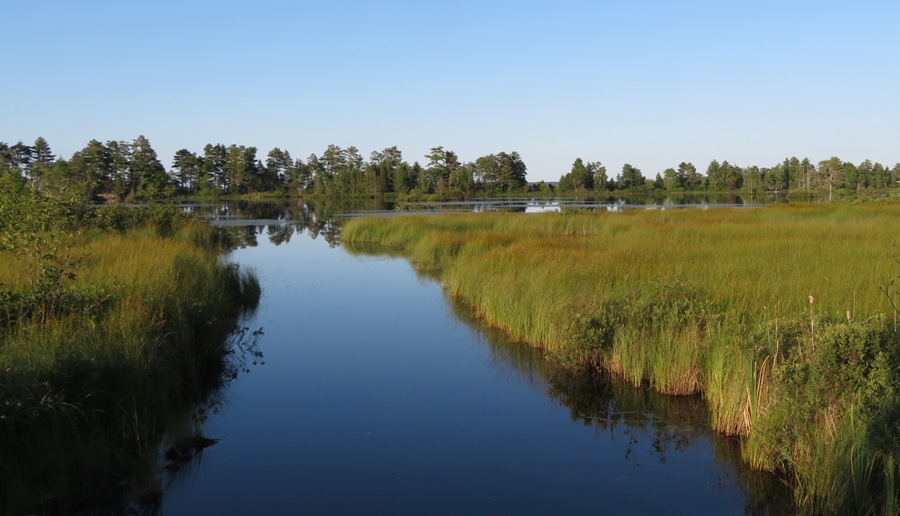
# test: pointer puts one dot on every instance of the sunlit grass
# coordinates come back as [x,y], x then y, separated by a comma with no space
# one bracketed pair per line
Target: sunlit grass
[524,273]
[143,292]
[728,303]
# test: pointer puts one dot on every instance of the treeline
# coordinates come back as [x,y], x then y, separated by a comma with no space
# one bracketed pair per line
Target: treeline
[132,170]
[790,176]
[124,170]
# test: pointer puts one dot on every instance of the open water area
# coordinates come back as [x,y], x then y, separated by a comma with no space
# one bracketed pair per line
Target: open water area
[378,394]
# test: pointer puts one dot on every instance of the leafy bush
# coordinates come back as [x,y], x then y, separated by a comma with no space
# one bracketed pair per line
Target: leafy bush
[587,337]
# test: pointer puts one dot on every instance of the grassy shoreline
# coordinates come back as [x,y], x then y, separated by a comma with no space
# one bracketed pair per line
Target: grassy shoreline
[115,332]
[780,317]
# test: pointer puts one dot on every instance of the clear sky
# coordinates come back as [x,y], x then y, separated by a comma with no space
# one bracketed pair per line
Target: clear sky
[647,83]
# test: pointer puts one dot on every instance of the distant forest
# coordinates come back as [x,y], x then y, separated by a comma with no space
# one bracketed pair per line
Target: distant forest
[122,170]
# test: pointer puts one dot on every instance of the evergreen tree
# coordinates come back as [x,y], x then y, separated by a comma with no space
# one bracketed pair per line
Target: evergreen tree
[278,167]
[42,158]
[120,173]
[6,157]
[688,176]
[41,152]
[630,177]
[598,171]
[512,171]
[213,167]
[188,170]
[20,157]
[580,177]
[147,175]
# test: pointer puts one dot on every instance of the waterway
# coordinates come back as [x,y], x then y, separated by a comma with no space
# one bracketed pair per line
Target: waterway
[377,394]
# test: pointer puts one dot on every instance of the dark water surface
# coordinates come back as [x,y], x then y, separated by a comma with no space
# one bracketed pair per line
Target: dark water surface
[378,395]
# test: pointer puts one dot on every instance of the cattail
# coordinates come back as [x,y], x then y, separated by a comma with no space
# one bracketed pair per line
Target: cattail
[812,325]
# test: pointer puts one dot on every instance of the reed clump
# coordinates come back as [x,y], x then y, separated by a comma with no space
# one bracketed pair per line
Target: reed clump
[782,318]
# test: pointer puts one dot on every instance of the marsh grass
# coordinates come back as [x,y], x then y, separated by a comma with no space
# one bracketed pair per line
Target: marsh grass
[715,302]
[136,338]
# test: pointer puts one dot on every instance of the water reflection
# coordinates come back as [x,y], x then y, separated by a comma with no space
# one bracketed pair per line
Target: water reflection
[281,220]
[607,203]
[653,424]
[645,429]
[644,423]
[377,400]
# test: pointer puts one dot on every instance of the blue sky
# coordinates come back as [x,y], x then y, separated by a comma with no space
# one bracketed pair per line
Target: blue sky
[640,82]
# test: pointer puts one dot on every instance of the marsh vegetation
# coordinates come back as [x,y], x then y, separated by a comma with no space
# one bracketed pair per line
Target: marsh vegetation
[784,319]
[114,335]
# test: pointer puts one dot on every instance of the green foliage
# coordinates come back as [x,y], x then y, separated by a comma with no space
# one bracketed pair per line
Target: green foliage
[584,177]
[849,364]
[630,177]
[588,337]
[131,170]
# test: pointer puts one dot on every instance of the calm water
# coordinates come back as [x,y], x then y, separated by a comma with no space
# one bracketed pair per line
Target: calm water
[378,395]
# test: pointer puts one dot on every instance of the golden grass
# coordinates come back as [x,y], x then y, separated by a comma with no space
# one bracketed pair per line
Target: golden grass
[524,273]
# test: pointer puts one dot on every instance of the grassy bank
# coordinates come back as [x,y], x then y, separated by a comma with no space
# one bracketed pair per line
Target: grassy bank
[782,318]
[114,326]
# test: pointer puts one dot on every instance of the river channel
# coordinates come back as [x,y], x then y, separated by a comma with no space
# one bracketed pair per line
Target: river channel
[379,395]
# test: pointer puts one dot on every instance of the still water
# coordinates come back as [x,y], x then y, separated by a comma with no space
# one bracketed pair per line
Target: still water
[379,395]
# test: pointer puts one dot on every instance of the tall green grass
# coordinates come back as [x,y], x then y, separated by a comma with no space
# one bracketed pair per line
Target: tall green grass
[754,309]
[138,335]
